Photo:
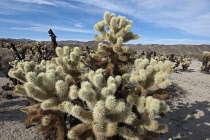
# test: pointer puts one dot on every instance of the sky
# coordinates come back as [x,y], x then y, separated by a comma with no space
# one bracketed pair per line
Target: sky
[156,21]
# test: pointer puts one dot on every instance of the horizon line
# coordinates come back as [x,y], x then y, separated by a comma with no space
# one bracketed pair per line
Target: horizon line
[38,40]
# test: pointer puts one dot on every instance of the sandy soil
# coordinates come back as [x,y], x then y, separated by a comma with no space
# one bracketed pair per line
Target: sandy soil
[12,119]
[189,118]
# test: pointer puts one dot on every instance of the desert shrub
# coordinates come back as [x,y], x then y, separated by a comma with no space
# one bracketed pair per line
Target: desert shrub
[185,64]
[6,56]
[205,62]
[107,101]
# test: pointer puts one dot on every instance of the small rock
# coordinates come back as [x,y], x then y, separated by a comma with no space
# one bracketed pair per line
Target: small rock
[6,87]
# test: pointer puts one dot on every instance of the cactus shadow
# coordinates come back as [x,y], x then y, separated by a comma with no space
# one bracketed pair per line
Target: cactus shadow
[1,74]
[175,92]
[11,103]
[10,111]
[3,95]
[191,70]
[180,70]
[3,71]
[188,121]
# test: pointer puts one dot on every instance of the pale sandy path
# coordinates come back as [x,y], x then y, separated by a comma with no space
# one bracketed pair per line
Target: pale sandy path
[12,119]
[190,116]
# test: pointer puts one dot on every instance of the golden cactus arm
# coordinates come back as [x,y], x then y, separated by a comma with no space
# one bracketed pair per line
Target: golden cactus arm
[33,119]
[76,111]
[78,130]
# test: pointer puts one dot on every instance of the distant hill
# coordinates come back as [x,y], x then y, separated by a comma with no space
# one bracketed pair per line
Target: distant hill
[176,49]
[22,41]
[29,41]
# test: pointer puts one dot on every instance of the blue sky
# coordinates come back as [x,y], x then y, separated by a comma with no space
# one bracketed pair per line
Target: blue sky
[156,21]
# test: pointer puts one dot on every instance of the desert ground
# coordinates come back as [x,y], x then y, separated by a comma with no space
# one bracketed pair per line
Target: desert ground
[189,118]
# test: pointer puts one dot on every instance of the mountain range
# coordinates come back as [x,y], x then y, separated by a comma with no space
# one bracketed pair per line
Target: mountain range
[159,48]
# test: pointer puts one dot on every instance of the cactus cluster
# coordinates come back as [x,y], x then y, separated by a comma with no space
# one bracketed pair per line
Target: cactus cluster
[161,57]
[107,100]
[18,49]
[183,60]
[40,51]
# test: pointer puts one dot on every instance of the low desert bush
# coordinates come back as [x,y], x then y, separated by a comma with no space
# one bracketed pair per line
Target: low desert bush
[205,62]
[6,56]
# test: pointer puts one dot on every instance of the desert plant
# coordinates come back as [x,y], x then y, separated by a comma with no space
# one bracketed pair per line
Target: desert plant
[41,52]
[103,103]
[185,64]
[185,61]
[5,57]
[171,57]
[118,54]
[205,62]
[19,54]
[53,41]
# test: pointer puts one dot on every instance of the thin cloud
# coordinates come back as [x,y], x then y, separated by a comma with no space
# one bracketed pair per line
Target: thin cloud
[44,28]
[48,2]
[78,25]
[37,2]
[11,21]
[32,6]
[14,8]
[190,16]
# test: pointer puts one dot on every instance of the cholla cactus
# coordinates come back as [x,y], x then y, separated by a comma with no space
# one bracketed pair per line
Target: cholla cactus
[205,62]
[183,60]
[96,104]
[185,64]
[118,32]
[19,54]
[160,57]
[48,83]
[117,54]
[41,51]
[48,121]
[151,75]
[21,69]
[14,63]
[118,29]
[177,62]
[106,112]
[69,60]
